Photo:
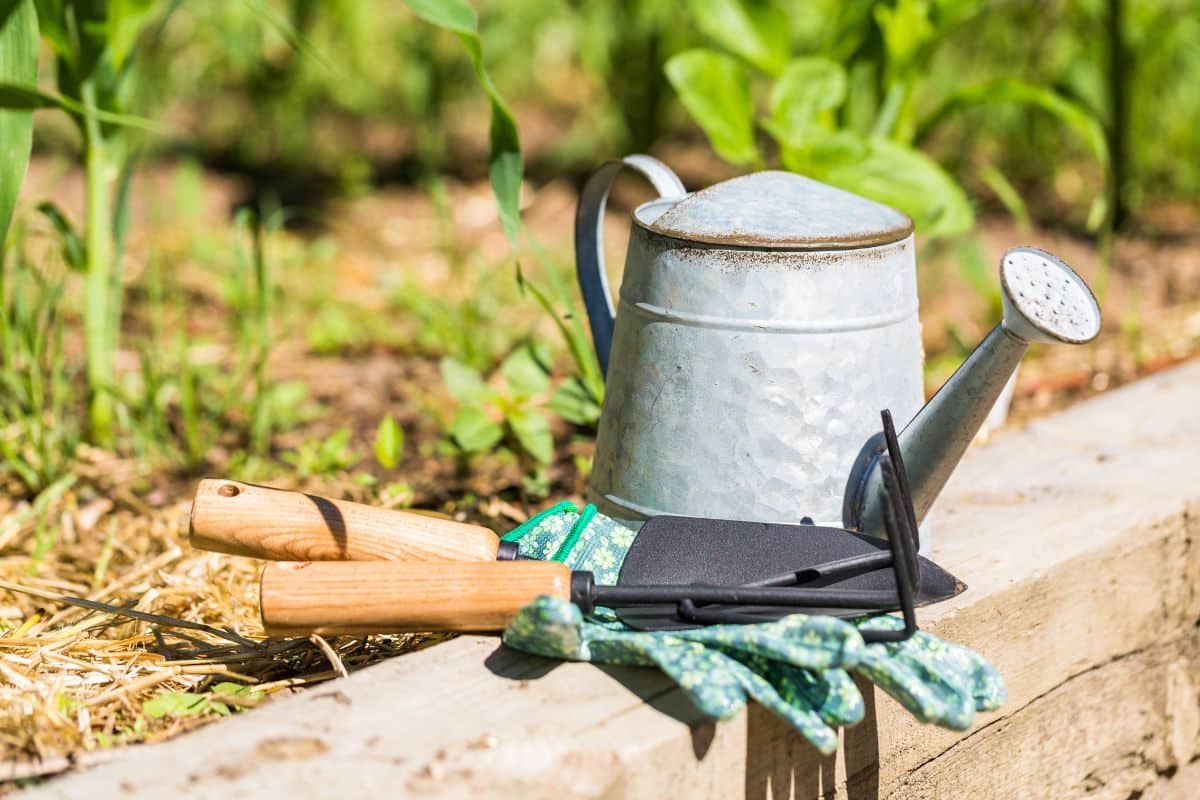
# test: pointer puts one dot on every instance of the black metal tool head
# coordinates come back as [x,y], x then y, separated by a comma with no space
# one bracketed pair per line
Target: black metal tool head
[688,550]
[682,551]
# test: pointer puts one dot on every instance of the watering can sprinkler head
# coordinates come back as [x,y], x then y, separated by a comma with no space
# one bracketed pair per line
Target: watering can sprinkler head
[1044,301]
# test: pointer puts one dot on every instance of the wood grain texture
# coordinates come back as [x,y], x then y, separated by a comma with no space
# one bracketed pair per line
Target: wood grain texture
[1079,537]
[394,597]
[244,519]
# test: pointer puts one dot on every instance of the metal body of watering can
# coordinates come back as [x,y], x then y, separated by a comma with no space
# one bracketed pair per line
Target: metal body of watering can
[762,323]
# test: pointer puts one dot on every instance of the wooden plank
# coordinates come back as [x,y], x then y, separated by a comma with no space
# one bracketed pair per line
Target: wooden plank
[1076,536]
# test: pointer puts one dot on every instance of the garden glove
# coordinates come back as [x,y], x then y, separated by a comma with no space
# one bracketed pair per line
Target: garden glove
[791,666]
[937,681]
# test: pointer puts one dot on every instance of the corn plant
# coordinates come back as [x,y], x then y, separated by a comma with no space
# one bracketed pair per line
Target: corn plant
[578,399]
[93,45]
[847,110]
[18,67]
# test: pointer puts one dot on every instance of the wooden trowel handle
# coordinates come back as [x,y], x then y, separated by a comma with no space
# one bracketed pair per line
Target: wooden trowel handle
[243,519]
[390,597]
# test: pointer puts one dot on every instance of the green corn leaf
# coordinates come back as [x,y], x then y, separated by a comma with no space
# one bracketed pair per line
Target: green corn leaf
[389,442]
[126,19]
[506,167]
[756,30]
[715,89]
[72,244]
[281,25]
[890,173]
[568,322]
[1011,90]
[808,87]
[453,15]
[18,64]
[53,27]
[464,383]
[532,430]
[474,431]
[25,97]
[524,373]
[995,180]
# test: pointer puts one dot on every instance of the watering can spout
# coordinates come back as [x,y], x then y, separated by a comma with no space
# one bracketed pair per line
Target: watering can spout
[1044,301]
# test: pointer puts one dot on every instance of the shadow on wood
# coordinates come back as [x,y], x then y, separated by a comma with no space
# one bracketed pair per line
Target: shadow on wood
[781,763]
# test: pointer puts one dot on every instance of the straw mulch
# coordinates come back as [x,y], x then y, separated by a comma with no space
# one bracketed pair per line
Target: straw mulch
[114,631]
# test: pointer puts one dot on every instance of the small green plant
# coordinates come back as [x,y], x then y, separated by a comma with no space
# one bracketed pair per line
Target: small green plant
[93,45]
[222,700]
[326,456]
[389,443]
[511,412]
[38,401]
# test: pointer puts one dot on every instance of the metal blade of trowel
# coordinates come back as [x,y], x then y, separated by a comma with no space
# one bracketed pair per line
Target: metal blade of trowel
[691,550]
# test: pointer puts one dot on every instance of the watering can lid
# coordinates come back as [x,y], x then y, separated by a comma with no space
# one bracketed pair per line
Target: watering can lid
[782,210]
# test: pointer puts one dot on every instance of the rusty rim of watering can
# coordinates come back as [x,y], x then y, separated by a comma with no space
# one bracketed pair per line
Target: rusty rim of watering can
[777,211]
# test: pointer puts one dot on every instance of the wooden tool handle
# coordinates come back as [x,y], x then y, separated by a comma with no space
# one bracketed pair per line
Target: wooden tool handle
[390,597]
[243,519]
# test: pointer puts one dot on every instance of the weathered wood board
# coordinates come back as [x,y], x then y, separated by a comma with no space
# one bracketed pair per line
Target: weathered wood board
[1079,537]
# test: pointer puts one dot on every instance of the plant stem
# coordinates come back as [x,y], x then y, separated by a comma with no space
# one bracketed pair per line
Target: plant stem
[99,335]
[1119,71]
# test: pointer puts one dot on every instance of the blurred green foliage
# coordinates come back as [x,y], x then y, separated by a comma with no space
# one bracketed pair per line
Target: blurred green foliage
[849,107]
[345,92]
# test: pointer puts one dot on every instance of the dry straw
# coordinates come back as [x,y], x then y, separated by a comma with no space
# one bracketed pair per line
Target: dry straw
[121,633]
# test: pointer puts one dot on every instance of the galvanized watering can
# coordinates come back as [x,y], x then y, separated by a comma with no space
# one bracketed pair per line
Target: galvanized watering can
[762,324]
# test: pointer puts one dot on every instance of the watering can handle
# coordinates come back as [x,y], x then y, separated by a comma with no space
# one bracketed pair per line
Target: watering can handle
[589,241]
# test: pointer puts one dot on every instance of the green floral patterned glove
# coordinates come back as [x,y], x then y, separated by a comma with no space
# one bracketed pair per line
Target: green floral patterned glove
[792,666]
[795,666]
[937,681]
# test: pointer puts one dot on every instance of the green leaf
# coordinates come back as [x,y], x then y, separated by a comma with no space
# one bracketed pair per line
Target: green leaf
[389,442]
[72,245]
[474,431]
[891,173]
[24,97]
[181,704]
[1011,90]
[808,87]
[335,452]
[454,15]
[126,19]
[715,89]
[464,383]
[905,27]
[574,403]
[524,374]
[532,430]
[231,689]
[569,322]
[504,158]
[756,30]
[18,64]
[1008,195]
